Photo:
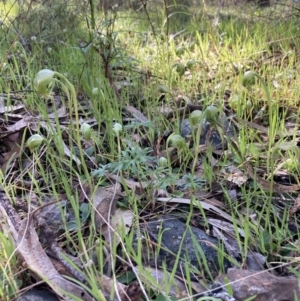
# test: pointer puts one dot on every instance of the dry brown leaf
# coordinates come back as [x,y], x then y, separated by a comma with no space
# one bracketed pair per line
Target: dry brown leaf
[264,184]
[104,201]
[60,113]
[138,187]
[178,289]
[203,204]
[234,175]
[10,109]
[61,269]
[225,232]
[121,222]
[296,206]
[252,125]
[225,226]
[136,113]
[211,200]
[132,292]
[29,249]
[69,154]
[269,185]
[15,151]
[19,125]
[50,128]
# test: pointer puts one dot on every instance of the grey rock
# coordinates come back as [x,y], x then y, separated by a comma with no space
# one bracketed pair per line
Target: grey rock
[172,237]
[255,261]
[263,285]
[37,295]
[215,138]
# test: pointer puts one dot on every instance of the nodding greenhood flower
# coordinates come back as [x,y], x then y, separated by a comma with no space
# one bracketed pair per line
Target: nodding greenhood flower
[249,79]
[34,141]
[180,69]
[163,89]
[163,162]
[249,104]
[211,114]
[86,131]
[191,64]
[117,129]
[180,51]
[44,81]
[192,46]
[195,117]
[95,91]
[235,101]
[177,140]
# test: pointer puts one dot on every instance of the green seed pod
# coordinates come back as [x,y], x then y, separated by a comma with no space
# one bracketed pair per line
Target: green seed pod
[34,141]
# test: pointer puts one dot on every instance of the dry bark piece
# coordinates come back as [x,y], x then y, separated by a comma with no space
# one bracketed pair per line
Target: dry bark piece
[264,285]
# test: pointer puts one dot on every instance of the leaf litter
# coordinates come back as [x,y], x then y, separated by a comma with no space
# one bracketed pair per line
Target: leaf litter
[105,201]
[108,219]
[199,205]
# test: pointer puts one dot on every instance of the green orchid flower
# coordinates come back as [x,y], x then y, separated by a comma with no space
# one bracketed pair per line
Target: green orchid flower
[44,82]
